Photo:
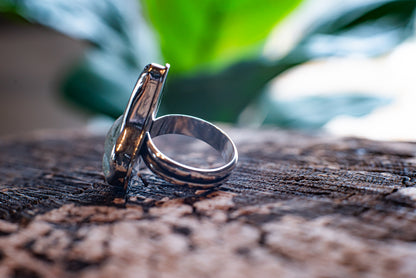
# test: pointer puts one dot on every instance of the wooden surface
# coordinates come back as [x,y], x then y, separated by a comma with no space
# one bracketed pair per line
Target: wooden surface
[296,206]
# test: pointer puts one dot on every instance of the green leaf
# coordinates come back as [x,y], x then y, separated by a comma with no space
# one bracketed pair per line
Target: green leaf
[315,111]
[196,34]
[221,96]
[214,33]
[7,6]
[101,82]
[367,29]
[121,45]
[109,26]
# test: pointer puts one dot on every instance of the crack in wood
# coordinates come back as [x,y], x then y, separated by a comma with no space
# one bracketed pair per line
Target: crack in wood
[296,205]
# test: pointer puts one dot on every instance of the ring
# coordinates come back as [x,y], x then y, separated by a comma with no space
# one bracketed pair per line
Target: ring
[130,139]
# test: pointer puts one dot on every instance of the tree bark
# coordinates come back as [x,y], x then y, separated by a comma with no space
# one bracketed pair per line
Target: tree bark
[297,205]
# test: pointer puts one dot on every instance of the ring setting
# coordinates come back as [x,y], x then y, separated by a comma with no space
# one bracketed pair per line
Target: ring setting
[130,139]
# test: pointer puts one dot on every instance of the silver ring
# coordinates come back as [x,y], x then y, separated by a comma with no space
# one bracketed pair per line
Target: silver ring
[130,138]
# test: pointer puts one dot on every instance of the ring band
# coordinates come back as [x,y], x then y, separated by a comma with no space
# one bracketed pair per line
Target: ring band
[178,173]
[130,138]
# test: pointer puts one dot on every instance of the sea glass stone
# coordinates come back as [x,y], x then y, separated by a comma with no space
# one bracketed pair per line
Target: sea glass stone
[110,141]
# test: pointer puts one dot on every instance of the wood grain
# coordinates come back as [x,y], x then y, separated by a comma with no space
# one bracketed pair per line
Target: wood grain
[296,206]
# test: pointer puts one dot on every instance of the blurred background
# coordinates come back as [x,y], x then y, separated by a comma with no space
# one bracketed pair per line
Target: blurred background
[342,66]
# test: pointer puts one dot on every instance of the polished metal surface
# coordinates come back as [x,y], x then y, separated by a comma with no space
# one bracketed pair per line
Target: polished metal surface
[130,138]
[128,132]
[179,173]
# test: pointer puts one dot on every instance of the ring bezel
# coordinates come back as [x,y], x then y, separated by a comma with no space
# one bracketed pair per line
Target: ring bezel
[127,134]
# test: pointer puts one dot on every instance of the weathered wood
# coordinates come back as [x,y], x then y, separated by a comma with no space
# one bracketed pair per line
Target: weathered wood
[297,206]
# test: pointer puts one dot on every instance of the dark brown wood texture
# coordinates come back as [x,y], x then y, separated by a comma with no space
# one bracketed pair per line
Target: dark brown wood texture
[296,206]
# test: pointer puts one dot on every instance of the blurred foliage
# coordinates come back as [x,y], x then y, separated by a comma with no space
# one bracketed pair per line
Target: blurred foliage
[368,29]
[213,32]
[313,112]
[103,79]
[224,37]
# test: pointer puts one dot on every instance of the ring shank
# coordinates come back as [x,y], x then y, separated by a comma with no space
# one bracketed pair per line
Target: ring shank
[179,173]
